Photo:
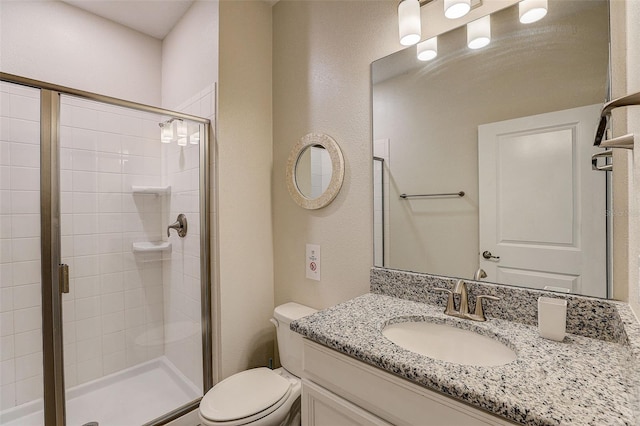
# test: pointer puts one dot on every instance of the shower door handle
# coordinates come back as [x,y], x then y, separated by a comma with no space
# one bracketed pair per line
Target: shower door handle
[63,276]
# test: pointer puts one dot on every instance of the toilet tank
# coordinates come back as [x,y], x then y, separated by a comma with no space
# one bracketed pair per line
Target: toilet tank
[290,342]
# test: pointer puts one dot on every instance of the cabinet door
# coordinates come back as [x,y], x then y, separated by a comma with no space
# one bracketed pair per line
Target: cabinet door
[322,408]
[379,393]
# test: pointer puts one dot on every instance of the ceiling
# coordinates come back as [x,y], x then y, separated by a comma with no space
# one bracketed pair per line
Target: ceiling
[152,17]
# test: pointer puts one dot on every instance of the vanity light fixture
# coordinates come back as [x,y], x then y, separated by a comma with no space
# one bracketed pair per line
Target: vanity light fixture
[409,22]
[428,49]
[177,129]
[454,9]
[532,10]
[479,32]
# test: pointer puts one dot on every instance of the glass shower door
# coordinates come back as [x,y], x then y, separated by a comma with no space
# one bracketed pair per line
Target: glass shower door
[21,355]
[132,333]
[103,316]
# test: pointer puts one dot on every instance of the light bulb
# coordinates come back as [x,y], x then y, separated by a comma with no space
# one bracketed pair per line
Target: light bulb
[181,128]
[166,133]
[194,139]
[194,134]
[454,9]
[428,49]
[182,141]
[479,32]
[409,22]
[532,10]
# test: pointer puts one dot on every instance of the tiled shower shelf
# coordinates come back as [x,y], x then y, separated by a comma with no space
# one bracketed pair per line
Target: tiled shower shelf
[155,190]
[151,246]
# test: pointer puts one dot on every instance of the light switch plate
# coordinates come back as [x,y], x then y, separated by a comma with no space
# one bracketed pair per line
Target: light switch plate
[312,260]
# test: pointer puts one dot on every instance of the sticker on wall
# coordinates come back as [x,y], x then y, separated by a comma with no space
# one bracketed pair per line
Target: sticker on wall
[312,260]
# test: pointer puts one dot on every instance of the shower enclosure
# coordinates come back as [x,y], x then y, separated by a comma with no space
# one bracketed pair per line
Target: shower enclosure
[105,312]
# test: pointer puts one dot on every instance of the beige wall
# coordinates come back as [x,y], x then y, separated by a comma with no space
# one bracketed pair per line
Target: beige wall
[625,48]
[244,145]
[322,51]
[622,158]
[633,126]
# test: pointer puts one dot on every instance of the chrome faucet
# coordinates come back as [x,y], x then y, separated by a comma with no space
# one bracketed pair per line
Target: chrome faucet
[463,309]
[480,274]
[461,289]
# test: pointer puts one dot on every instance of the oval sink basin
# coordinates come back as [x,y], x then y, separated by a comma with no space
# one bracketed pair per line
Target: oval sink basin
[448,343]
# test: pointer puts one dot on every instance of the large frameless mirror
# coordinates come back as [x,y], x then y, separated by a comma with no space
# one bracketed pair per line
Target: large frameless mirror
[482,157]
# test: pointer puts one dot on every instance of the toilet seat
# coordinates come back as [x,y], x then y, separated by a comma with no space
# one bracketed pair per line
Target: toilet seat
[245,397]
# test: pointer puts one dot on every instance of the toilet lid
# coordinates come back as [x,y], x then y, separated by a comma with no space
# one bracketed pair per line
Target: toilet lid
[243,395]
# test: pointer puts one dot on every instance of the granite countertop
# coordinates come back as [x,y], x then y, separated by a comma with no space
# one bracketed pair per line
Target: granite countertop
[580,381]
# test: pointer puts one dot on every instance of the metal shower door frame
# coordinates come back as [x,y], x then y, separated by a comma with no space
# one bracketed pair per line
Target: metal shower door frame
[52,283]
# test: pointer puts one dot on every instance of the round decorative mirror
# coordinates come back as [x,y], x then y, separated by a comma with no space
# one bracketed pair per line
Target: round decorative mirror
[315,171]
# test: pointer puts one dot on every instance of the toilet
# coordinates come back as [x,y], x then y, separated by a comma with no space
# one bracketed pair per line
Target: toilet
[261,396]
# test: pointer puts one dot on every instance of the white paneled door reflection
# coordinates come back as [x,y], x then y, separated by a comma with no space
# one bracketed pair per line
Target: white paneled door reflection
[542,208]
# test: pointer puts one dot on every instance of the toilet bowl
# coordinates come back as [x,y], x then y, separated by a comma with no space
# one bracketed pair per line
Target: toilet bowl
[260,396]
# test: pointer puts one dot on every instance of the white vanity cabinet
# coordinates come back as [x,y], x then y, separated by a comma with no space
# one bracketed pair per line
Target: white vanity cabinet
[324,408]
[338,390]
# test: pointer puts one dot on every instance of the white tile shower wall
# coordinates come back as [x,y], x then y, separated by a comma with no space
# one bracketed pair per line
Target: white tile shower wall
[320,171]
[20,298]
[183,342]
[113,315]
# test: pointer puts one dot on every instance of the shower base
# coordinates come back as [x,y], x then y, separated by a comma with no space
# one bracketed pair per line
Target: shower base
[129,397]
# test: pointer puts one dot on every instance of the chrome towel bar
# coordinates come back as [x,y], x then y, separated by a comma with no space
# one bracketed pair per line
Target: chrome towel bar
[605,114]
[605,167]
[625,141]
[447,194]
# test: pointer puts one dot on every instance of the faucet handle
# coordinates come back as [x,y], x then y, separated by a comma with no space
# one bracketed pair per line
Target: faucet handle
[179,225]
[450,309]
[479,313]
